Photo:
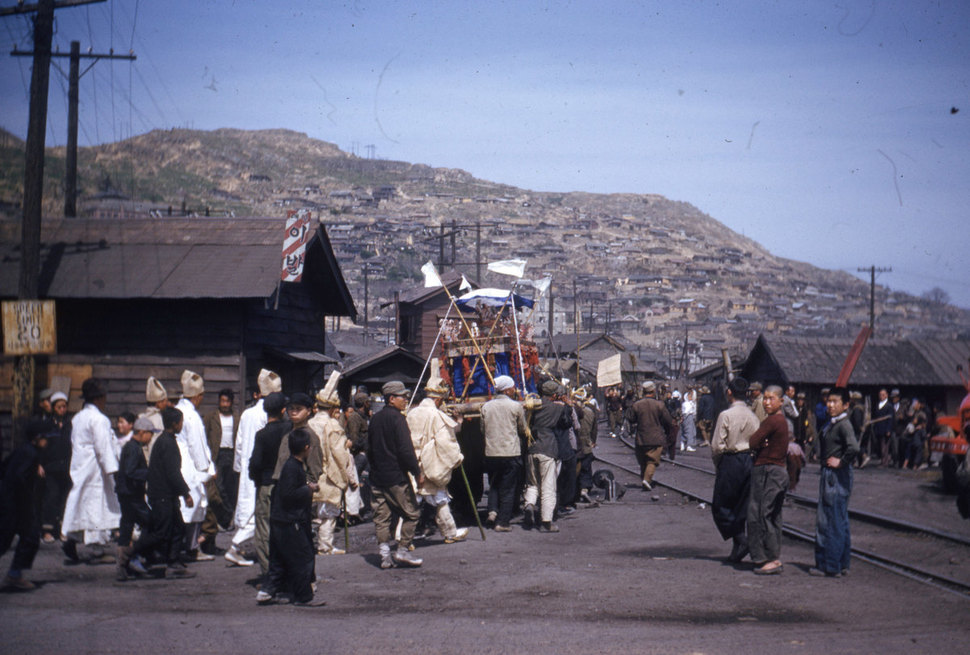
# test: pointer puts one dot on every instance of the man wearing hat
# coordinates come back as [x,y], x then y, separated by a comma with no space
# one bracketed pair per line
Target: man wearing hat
[197,467]
[503,422]
[92,510]
[44,403]
[56,459]
[156,399]
[18,504]
[250,422]
[654,426]
[586,441]
[542,462]
[338,473]
[130,481]
[391,456]
[435,444]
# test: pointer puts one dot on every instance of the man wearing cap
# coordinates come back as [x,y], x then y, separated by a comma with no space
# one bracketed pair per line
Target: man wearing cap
[438,452]
[197,467]
[730,449]
[250,422]
[92,510]
[156,399]
[548,423]
[503,421]
[392,458]
[586,441]
[338,473]
[262,464]
[755,401]
[21,474]
[654,425]
[56,459]
[130,481]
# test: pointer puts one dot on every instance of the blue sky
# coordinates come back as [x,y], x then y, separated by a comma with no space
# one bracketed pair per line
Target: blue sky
[822,130]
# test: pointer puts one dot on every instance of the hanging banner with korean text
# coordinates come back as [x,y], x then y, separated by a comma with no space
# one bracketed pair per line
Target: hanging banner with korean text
[298,232]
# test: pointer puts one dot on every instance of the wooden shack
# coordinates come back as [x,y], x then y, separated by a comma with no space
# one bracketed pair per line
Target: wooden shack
[154,296]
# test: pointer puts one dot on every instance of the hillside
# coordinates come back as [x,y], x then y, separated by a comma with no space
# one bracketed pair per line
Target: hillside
[645,267]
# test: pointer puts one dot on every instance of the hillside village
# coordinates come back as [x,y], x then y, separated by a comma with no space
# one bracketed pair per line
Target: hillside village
[645,269]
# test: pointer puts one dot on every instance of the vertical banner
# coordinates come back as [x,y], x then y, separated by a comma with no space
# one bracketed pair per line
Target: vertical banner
[298,232]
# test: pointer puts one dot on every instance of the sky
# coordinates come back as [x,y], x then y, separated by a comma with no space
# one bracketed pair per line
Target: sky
[834,133]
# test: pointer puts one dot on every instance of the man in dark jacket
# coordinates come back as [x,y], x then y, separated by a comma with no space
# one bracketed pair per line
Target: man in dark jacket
[291,552]
[837,450]
[165,485]
[262,463]
[130,481]
[654,426]
[19,491]
[391,456]
[547,425]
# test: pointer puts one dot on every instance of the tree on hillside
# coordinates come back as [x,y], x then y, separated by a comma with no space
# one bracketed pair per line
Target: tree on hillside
[937,296]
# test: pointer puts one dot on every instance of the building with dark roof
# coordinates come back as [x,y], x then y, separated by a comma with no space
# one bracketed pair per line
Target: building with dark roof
[140,297]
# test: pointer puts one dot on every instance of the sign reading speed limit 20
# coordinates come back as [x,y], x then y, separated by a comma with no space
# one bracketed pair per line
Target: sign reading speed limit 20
[29,327]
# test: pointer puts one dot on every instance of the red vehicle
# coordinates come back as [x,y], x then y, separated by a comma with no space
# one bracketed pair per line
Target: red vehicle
[954,449]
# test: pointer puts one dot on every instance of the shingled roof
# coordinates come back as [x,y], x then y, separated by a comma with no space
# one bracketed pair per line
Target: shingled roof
[170,258]
[818,361]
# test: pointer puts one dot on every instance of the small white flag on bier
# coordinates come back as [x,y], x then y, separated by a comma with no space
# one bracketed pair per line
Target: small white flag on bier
[431,278]
[465,284]
[513,267]
[541,286]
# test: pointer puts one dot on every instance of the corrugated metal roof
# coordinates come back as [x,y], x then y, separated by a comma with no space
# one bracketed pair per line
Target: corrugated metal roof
[155,258]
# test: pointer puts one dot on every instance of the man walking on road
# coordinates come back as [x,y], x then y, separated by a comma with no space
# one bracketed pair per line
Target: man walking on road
[654,426]
[729,449]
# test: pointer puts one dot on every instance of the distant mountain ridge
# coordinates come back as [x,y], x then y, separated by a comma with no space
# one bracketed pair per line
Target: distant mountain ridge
[650,268]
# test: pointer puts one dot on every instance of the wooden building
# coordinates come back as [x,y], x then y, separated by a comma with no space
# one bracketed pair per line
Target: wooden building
[140,297]
[420,311]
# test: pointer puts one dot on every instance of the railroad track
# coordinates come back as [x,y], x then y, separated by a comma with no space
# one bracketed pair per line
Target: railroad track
[898,567]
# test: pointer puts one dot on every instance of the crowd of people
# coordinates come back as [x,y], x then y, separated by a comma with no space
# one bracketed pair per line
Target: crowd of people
[283,472]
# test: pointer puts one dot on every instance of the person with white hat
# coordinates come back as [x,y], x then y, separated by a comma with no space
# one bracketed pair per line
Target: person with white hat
[505,428]
[56,459]
[435,443]
[250,422]
[156,399]
[197,465]
[338,471]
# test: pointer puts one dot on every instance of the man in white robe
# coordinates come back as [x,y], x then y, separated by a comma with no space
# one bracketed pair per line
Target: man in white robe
[92,509]
[435,444]
[251,421]
[197,465]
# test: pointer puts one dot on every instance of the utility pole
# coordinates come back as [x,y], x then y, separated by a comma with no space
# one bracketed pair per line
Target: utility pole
[24,365]
[366,304]
[872,292]
[478,253]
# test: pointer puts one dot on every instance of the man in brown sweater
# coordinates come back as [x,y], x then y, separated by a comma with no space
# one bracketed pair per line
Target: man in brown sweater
[653,425]
[769,481]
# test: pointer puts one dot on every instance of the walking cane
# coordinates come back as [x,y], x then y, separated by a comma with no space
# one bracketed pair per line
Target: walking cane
[471,499]
[343,507]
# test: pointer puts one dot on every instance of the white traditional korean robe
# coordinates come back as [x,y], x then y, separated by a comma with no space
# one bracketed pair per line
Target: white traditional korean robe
[197,465]
[250,422]
[92,506]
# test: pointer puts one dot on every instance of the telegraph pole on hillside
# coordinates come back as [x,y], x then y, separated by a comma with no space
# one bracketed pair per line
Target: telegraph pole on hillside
[872,292]
[23,378]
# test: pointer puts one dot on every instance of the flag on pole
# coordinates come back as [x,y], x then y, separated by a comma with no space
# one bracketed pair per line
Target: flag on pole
[465,284]
[513,267]
[541,286]
[431,278]
[297,235]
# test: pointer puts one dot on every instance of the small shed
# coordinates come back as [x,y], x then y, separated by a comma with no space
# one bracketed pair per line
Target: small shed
[420,311]
[154,296]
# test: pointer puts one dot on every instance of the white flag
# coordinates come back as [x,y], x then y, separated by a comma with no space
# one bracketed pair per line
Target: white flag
[541,286]
[431,278]
[465,284]
[513,267]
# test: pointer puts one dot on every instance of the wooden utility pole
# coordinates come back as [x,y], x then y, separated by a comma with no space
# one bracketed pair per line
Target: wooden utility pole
[872,292]
[27,289]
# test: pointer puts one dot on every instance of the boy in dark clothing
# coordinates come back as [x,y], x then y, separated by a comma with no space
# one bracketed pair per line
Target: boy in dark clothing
[19,496]
[130,481]
[291,551]
[165,485]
